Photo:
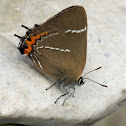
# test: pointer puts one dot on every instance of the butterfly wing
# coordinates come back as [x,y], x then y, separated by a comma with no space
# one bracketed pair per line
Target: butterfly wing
[62,53]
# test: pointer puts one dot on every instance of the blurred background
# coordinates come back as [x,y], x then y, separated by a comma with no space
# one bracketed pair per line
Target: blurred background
[117,118]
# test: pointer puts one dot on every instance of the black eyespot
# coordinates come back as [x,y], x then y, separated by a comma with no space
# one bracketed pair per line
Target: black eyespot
[29,39]
[44,35]
[25,46]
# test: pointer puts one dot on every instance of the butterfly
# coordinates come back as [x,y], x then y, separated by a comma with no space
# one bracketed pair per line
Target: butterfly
[58,47]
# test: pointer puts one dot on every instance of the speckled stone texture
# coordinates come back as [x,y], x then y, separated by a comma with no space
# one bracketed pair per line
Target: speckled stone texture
[23,98]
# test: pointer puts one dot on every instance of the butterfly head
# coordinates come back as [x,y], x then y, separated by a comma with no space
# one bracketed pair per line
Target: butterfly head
[81,81]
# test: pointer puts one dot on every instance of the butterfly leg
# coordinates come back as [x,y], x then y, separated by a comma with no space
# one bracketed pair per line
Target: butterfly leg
[73,91]
[62,95]
[71,94]
[72,87]
[66,99]
[70,90]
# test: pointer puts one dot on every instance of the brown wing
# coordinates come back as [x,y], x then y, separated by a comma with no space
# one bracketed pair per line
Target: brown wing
[62,53]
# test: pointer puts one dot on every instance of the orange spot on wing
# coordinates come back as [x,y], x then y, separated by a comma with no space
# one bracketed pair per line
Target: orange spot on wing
[35,37]
[32,40]
[25,52]
[29,49]
[44,33]
[30,43]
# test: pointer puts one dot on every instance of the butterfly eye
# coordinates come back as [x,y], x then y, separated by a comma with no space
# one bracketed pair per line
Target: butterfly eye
[81,81]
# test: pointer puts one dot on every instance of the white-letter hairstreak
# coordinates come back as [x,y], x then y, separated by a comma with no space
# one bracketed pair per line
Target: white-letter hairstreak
[58,47]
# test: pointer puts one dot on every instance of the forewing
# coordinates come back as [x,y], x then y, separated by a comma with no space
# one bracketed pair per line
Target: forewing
[63,51]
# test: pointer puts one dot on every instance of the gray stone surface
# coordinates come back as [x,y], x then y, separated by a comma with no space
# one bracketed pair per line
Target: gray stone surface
[23,98]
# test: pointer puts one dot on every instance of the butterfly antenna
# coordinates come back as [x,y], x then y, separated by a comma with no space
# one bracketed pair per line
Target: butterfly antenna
[26,27]
[93,70]
[96,82]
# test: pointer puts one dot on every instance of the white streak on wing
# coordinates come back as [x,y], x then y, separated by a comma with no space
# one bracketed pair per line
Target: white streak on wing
[52,48]
[46,47]
[38,62]
[62,50]
[67,50]
[57,48]
[53,34]
[40,47]
[67,31]
[73,31]
[82,30]
[76,31]
[32,58]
